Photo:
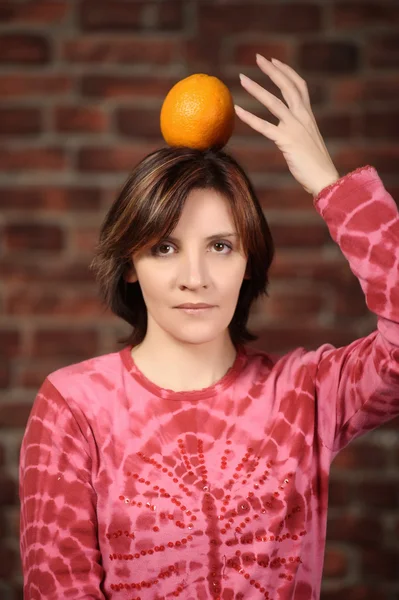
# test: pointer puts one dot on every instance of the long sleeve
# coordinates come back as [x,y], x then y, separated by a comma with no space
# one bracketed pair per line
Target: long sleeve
[58,524]
[357,386]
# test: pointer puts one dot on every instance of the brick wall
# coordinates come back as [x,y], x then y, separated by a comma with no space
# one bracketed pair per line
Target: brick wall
[81,85]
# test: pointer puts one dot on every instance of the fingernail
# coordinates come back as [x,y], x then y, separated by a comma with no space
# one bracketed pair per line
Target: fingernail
[243,77]
[275,60]
[261,58]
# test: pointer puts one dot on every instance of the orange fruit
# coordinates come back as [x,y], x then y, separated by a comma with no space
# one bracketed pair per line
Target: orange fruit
[198,112]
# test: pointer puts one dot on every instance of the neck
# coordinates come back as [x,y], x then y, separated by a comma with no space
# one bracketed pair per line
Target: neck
[181,366]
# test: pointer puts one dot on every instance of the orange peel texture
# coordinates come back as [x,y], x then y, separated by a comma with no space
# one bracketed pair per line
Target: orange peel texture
[198,112]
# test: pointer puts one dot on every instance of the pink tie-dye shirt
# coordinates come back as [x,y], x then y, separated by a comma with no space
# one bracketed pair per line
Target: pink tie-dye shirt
[130,491]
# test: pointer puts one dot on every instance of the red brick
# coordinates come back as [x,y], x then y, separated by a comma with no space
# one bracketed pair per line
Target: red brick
[76,344]
[33,11]
[109,86]
[337,125]
[392,425]
[14,414]
[34,372]
[138,122]
[335,563]
[20,121]
[305,304]
[24,49]
[150,50]
[354,592]
[385,159]
[60,302]
[257,158]
[80,119]
[124,15]
[328,57]
[352,92]
[25,236]
[282,339]
[382,51]
[244,53]
[352,15]
[11,343]
[32,159]
[383,89]
[380,563]
[305,235]
[2,459]
[170,15]
[380,123]
[22,85]
[347,92]
[380,494]
[354,529]
[290,17]
[340,492]
[204,54]
[280,198]
[309,265]
[97,15]
[9,562]
[362,455]
[113,159]
[349,300]
[5,374]
[3,527]
[51,199]
[17,591]
[8,490]
[21,270]
[13,514]
[84,239]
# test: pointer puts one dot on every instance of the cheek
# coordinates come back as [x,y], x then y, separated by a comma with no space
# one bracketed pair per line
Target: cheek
[230,279]
[153,283]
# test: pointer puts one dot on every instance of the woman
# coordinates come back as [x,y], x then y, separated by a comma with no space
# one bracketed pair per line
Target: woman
[189,464]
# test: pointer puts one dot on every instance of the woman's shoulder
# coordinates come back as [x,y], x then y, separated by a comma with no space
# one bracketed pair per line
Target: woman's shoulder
[103,372]
[258,357]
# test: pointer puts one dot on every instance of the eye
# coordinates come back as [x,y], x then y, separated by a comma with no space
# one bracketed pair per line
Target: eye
[222,245]
[159,250]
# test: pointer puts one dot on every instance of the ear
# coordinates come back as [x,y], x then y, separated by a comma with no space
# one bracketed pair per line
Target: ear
[130,275]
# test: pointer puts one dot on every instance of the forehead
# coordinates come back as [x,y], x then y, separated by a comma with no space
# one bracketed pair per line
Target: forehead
[204,210]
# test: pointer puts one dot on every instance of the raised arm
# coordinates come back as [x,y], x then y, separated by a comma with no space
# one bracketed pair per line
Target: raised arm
[58,525]
[361,381]
[357,386]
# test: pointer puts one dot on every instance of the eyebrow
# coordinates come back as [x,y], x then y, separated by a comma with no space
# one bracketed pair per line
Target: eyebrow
[214,236]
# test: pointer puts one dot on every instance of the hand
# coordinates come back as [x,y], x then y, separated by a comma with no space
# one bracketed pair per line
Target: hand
[297,134]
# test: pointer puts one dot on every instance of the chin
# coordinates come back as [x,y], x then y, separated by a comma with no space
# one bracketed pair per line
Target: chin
[201,336]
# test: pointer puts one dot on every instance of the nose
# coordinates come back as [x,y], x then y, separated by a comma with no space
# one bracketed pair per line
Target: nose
[193,271]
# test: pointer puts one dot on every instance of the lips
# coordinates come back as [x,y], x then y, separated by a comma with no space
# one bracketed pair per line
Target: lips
[199,305]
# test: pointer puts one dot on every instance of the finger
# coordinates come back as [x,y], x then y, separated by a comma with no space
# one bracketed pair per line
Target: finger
[287,85]
[264,127]
[302,86]
[275,105]
[297,79]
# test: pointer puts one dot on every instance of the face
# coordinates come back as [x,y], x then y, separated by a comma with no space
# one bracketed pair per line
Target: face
[202,261]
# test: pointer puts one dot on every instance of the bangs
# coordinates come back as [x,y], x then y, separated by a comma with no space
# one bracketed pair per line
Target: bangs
[158,199]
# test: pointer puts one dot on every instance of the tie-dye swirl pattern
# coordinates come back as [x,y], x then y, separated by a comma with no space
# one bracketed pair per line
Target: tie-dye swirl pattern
[129,491]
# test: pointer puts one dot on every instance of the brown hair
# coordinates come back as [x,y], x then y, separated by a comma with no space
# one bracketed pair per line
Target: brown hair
[148,208]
